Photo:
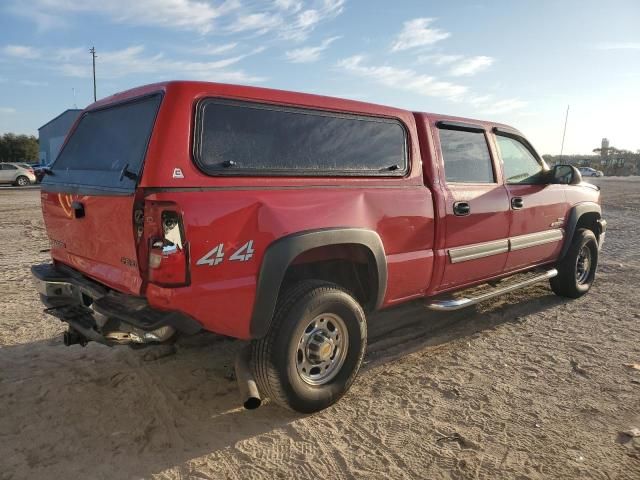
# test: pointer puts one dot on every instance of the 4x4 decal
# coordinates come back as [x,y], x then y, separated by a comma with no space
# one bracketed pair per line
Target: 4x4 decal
[216,255]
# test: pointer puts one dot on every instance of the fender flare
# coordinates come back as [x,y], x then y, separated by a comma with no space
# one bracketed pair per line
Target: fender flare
[574,216]
[279,255]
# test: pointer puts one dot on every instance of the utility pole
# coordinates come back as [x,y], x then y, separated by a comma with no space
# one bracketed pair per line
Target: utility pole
[92,51]
[566,117]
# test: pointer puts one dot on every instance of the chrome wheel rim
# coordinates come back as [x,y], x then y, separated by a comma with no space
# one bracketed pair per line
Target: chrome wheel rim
[583,266]
[322,349]
[22,181]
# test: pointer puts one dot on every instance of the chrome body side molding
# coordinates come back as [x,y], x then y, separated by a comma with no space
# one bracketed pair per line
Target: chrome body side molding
[471,252]
[496,247]
[458,303]
[535,239]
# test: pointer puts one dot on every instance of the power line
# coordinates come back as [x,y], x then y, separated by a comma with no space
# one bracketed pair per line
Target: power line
[92,51]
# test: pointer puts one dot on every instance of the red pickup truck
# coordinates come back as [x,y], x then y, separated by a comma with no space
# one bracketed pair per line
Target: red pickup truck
[285,218]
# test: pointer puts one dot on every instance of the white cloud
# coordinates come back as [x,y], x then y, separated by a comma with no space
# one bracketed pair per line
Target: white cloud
[219,49]
[417,33]
[293,23]
[7,110]
[289,19]
[134,60]
[307,20]
[405,79]
[427,85]
[503,106]
[33,83]
[20,51]
[439,59]
[293,5]
[480,100]
[256,22]
[309,54]
[186,14]
[460,65]
[619,46]
[489,105]
[471,66]
[30,10]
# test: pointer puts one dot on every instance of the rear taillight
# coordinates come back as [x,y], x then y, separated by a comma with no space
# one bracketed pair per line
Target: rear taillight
[168,250]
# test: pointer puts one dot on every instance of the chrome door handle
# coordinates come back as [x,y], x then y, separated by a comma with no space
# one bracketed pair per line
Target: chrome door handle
[517,203]
[461,209]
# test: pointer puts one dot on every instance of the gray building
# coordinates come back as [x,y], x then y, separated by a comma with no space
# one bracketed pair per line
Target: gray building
[52,134]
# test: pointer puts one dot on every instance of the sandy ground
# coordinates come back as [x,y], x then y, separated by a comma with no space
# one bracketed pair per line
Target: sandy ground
[528,386]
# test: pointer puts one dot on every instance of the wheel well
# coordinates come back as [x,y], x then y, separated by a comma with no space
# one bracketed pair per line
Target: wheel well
[351,266]
[589,220]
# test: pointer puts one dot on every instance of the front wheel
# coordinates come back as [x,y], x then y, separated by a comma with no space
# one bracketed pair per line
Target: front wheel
[314,348]
[22,181]
[577,270]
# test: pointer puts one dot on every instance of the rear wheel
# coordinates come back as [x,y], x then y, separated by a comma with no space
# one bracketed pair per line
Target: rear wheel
[22,181]
[577,270]
[314,348]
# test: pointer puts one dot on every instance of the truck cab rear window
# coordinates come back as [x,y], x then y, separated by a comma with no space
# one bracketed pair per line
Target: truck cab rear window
[255,139]
[466,156]
[107,148]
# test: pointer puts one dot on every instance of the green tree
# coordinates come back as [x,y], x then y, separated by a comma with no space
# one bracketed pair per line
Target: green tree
[18,148]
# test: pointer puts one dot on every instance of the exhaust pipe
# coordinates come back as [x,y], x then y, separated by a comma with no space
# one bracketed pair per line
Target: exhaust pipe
[249,394]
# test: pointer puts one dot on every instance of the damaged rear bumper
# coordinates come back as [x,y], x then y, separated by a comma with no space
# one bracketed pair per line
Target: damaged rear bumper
[96,313]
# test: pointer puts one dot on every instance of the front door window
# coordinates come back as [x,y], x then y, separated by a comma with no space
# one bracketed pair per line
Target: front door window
[520,166]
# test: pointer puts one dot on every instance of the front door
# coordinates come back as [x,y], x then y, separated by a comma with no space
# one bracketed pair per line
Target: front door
[7,173]
[537,209]
[477,207]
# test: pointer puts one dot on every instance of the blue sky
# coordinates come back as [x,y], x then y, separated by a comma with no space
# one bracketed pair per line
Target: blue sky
[518,62]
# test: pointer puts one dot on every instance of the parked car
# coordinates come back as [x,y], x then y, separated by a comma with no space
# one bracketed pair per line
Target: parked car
[286,219]
[590,172]
[19,174]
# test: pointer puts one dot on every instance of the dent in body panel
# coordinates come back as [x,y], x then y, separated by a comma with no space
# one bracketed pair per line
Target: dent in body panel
[408,275]
[234,217]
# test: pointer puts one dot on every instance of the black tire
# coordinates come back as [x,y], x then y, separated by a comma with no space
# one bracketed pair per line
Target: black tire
[571,281]
[22,181]
[276,357]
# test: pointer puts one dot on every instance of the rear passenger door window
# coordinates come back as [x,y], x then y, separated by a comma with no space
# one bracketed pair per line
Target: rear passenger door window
[466,156]
[520,166]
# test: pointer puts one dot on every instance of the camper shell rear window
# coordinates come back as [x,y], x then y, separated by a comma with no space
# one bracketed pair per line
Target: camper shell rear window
[107,148]
[246,138]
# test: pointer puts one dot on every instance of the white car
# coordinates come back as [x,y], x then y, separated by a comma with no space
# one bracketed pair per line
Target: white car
[19,174]
[591,172]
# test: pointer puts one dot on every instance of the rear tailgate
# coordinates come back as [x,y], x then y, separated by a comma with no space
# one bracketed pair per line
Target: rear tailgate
[88,200]
[101,244]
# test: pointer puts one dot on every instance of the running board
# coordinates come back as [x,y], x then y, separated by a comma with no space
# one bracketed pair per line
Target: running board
[458,303]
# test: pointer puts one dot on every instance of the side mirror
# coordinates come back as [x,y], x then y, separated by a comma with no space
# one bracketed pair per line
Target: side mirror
[565,175]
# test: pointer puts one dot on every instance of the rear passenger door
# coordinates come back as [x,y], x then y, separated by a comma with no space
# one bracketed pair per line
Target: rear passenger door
[7,173]
[538,209]
[477,206]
